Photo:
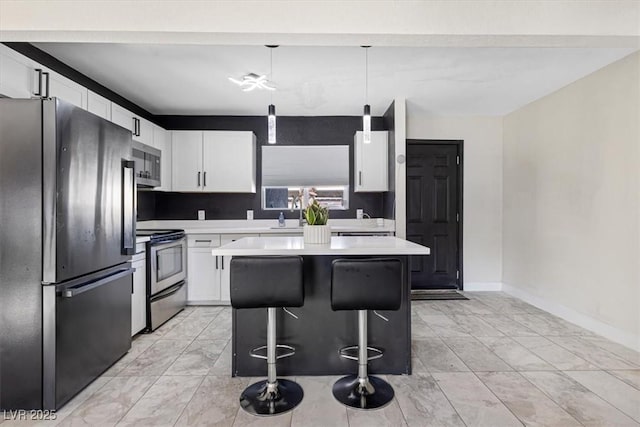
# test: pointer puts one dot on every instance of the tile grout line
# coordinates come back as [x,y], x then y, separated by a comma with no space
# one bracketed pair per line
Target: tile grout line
[602,397]
[187,404]
[448,400]
[137,400]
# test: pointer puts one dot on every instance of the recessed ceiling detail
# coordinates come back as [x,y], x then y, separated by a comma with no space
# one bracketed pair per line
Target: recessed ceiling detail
[252,81]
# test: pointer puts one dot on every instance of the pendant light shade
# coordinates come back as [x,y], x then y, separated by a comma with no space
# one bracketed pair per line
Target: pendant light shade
[366,117]
[366,124]
[271,118]
[271,124]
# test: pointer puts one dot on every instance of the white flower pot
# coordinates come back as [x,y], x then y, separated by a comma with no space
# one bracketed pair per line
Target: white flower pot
[316,234]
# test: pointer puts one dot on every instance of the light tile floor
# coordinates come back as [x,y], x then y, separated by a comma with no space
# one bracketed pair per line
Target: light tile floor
[490,361]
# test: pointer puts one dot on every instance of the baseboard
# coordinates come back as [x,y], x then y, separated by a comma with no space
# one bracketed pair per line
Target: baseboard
[482,286]
[569,314]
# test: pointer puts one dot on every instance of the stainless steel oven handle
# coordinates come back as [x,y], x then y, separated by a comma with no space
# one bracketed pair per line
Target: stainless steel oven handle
[167,292]
[74,291]
[168,244]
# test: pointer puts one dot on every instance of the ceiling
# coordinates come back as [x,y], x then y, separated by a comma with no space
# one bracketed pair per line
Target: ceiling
[318,81]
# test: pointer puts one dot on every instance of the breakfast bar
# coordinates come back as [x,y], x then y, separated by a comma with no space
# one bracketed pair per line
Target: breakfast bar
[318,332]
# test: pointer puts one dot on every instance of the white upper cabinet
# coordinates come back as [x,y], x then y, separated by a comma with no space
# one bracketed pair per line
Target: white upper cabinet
[214,161]
[17,74]
[61,87]
[371,162]
[186,164]
[141,129]
[20,77]
[98,105]
[145,132]
[122,116]
[229,162]
[162,141]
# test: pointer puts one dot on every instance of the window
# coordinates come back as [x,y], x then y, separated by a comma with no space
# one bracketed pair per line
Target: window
[335,197]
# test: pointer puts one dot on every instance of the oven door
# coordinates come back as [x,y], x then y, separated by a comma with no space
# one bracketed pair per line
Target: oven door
[168,264]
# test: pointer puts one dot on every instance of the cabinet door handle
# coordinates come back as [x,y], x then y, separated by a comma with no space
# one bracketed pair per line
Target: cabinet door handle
[203,241]
[198,179]
[216,262]
[359,177]
[204,179]
[39,92]
[222,259]
[135,127]
[46,79]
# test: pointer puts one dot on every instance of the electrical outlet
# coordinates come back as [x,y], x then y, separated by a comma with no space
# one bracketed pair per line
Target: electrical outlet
[200,215]
[249,214]
[359,213]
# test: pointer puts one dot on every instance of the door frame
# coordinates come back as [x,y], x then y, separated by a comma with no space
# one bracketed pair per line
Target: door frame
[459,143]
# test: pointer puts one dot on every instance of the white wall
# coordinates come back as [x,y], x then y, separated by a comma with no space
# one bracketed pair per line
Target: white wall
[571,230]
[327,22]
[482,220]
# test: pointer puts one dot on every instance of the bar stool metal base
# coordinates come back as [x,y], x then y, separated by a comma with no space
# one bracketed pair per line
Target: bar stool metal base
[368,393]
[266,399]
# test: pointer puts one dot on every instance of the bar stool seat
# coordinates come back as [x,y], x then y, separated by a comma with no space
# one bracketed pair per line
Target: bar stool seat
[363,285]
[269,282]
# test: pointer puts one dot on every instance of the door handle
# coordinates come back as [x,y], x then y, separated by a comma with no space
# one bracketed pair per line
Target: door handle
[46,79]
[204,179]
[359,177]
[128,207]
[222,259]
[39,77]
[198,179]
[74,291]
[216,262]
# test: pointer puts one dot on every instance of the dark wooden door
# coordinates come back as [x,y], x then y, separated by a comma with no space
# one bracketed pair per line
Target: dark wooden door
[433,211]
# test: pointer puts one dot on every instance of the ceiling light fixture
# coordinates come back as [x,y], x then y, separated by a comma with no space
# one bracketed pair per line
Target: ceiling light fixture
[252,81]
[271,119]
[366,117]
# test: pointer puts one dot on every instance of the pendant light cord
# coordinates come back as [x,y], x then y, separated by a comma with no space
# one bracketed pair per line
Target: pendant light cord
[366,75]
[271,74]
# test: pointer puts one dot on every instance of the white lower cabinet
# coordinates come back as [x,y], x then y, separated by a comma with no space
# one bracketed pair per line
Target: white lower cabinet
[204,279]
[209,278]
[139,295]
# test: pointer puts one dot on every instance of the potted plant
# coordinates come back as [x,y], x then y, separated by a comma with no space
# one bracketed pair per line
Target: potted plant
[316,230]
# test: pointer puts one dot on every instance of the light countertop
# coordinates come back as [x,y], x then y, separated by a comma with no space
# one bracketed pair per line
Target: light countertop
[142,239]
[266,226]
[346,245]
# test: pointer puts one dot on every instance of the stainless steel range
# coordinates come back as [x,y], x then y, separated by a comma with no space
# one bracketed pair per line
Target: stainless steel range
[166,275]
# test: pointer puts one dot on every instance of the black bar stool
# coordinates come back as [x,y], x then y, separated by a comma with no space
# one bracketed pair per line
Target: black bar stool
[272,282]
[365,284]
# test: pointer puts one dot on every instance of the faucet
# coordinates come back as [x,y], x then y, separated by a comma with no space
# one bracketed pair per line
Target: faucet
[293,205]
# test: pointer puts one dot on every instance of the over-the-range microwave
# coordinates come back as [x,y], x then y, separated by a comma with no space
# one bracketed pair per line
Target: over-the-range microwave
[147,165]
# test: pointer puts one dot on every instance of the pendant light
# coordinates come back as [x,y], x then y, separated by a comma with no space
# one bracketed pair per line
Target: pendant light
[366,117]
[271,119]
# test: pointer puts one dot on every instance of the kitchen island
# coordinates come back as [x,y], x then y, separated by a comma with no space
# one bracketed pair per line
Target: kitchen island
[319,332]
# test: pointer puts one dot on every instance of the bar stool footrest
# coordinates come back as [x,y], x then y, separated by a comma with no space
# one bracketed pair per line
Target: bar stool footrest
[351,352]
[257,352]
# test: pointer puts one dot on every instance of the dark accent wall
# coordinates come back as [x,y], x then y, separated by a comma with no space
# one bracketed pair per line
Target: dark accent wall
[325,130]
[389,198]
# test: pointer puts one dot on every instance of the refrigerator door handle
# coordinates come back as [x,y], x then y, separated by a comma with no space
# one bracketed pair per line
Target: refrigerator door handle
[77,290]
[128,207]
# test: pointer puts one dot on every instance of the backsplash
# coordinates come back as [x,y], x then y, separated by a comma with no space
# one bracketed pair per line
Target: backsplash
[334,130]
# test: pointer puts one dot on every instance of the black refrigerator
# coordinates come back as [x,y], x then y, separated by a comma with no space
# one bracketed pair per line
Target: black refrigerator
[67,232]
